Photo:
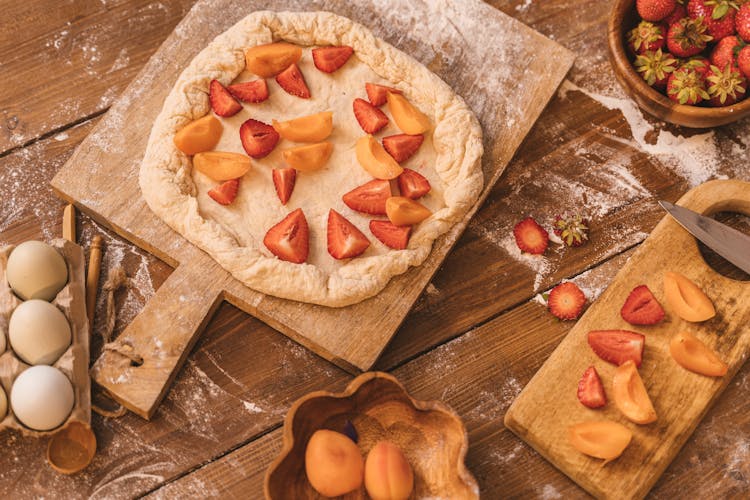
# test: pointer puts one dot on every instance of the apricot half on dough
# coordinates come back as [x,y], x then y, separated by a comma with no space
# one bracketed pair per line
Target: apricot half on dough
[630,394]
[687,299]
[308,158]
[333,463]
[692,354]
[221,166]
[408,118]
[388,475]
[199,135]
[375,160]
[404,211]
[600,439]
[311,128]
[272,58]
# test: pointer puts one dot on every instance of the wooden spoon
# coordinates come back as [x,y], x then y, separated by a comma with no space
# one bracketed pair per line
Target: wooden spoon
[71,449]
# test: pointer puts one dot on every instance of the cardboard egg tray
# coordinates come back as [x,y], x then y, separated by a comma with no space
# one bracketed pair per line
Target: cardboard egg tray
[74,361]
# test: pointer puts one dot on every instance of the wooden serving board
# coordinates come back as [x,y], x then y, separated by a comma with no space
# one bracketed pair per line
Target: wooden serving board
[548,404]
[506,72]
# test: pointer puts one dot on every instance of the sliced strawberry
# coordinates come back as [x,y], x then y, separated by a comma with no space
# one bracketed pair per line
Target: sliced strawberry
[617,346]
[370,118]
[378,94]
[590,389]
[255,91]
[413,184]
[221,100]
[329,59]
[293,82]
[531,237]
[641,307]
[226,192]
[344,239]
[289,239]
[258,138]
[402,146]
[283,181]
[390,235]
[369,198]
[566,301]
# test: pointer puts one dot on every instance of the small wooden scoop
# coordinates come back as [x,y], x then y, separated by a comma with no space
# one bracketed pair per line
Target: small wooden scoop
[71,449]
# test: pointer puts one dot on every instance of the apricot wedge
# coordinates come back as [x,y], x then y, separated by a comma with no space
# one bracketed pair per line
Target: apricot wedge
[600,439]
[272,58]
[375,160]
[402,211]
[308,158]
[687,299]
[692,354]
[200,135]
[221,166]
[407,117]
[630,394]
[311,128]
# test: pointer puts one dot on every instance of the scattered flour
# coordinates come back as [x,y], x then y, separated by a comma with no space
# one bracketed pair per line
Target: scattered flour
[549,492]
[523,7]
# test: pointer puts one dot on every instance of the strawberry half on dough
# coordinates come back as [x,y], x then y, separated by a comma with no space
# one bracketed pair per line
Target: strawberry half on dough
[289,239]
[390,235]
[222,101]
[370,118]
[412,184]
[283,181]
[378,94]
[402,146]
[369,198]
[293,82]
[329,59]
[258,138]
[344,239]
[253,92]
[226,192]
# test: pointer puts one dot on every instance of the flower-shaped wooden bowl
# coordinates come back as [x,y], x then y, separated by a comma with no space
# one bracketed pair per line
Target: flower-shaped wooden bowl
[430,434]
[623,18]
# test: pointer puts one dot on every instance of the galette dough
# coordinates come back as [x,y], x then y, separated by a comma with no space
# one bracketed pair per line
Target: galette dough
[169,190]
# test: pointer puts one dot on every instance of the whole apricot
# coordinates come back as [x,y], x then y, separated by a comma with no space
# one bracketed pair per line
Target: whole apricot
[333,463]
[388,475]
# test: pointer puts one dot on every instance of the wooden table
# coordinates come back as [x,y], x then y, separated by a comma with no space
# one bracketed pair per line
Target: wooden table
[473,340]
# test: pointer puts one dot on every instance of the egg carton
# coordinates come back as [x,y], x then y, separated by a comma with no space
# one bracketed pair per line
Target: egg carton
[74,362]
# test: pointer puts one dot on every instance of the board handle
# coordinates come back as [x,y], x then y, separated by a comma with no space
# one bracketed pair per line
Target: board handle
[137,368]
[730,195]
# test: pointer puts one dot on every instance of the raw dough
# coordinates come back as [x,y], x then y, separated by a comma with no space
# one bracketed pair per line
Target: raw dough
[450,158]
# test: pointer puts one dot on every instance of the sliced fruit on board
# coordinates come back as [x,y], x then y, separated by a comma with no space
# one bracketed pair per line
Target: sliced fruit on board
[566,301]
[600,439]
[378,94]
[370,197]
[308,158]
[641,307]
[403,211]
[329,59]
[253,92]
[630,394]
[289,239]
[407,117]
[283,181]
[686,298]
[692,354]
[390,235]
[226,192]
[344,239]
[311,128]
[221,166]
[271,59]
[413,184]
[402,146]
[375,160]
[370,118]
[617,346]
[222,102]
[530,236]
[199,135]
[590,389]
[293,82]
[258,138]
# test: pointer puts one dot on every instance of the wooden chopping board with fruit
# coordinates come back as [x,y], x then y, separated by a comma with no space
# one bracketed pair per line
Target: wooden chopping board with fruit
[643,365]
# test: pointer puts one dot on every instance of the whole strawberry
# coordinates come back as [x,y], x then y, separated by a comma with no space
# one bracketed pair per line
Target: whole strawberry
[725,87]
[698,63]
[654,10]
[655,67]
[743,61]
[572,229]
[724,52]
[687,86]
[646,36]
[688,37]
[678,13]
[742,22]
[718,14]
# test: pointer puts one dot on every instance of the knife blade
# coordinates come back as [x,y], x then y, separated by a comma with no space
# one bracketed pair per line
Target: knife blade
[722,239]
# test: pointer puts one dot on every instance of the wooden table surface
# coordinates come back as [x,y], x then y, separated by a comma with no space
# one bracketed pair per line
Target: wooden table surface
[474,338]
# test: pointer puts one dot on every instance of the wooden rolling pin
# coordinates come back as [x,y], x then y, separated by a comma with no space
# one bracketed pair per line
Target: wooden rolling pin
[92,278]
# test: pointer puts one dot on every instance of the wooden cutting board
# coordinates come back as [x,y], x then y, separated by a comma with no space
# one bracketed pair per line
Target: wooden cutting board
[506,72]
[548,404]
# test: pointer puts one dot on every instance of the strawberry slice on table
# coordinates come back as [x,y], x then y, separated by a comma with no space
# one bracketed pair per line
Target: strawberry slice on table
[293,82]
[258,138]
[402,146]
[590,389]
[344,239]
[617,346]
[531,237]
[255,91]
[370,118]
[566,301]
[289,239]
[370,197]
[641,307]
[226,192]
[378,94]
[283,181]
[392,236]
[413,184]
[329,59]
[221,100]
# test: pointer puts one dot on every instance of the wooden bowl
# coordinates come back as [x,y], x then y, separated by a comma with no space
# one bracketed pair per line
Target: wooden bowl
[623,18]
[429,433]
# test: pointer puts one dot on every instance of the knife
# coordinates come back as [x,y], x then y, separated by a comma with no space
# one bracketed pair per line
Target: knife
[722,239]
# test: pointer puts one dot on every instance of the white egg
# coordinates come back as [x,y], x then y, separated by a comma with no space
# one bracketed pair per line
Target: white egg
[42,397]
[3,403]
[36,271]
[38,332]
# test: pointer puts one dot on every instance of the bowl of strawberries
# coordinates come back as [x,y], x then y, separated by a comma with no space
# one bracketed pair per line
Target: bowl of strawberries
[686,62]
